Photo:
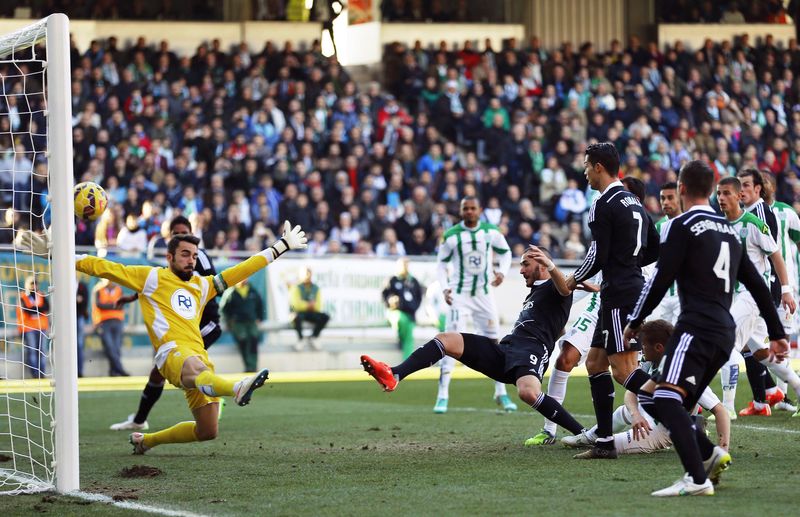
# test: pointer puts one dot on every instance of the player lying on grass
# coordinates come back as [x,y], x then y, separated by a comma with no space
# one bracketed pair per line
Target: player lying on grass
[645,434]
[172,301]
[520,358]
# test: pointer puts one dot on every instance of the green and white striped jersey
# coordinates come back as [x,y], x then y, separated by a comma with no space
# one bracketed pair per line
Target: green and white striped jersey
[673,289]
[758,242]
[469,253]
[788,237]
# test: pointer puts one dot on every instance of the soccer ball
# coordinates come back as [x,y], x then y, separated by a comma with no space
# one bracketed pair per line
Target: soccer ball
[90,201]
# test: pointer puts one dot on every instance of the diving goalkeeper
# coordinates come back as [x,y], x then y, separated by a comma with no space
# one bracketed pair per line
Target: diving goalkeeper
[172,301]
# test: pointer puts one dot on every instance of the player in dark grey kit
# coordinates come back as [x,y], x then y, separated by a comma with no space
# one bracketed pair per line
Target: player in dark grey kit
[703,252]
[623,240]
[520,358]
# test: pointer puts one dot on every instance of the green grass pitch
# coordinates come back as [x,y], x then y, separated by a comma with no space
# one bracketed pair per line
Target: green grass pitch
[346,448]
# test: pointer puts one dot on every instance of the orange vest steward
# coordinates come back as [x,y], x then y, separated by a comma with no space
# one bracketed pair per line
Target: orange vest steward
[105,296]
[28,321]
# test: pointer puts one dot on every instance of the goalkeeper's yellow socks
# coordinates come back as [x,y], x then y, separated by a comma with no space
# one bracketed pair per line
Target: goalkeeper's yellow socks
[182,432]
[213,385]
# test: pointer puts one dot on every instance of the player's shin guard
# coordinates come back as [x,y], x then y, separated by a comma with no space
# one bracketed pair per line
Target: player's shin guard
[755,375]
[555,412]
[557,390]
[182,432]
[636,380]
[214,385]
[783,371]
[150,395]
[603,400]
[729,375]
[422,357]
[669,404]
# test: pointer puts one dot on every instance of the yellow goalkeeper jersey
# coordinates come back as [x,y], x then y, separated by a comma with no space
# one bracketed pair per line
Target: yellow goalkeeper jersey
[171,307]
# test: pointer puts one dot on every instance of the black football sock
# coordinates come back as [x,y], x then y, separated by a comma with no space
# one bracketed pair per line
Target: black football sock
[423,357]
[603,400]
[150,395]
[769,382]
[555,412]
[706,446]
[756,373]
[636,380]
[669,404]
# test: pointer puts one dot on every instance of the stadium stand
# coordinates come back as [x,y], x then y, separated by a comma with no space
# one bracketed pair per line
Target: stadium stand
[240,139]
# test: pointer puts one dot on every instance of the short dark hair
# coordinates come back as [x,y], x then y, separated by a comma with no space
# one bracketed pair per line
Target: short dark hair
[733,181]
[179,219]
[697,178]
[175,241]
[670,185]
[471,198]
[656,331]
[635,186]
[605,154]
[758,179]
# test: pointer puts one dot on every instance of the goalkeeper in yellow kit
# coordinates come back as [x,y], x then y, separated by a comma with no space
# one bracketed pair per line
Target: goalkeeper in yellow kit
[172,301]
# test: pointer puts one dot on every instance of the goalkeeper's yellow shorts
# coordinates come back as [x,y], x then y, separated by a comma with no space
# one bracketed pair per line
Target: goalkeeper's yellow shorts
[172,360]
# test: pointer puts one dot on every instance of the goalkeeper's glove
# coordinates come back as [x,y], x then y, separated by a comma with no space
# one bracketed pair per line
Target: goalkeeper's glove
[292,239]
[34,243]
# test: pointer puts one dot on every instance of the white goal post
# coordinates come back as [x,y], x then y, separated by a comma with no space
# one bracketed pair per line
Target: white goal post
[49,399]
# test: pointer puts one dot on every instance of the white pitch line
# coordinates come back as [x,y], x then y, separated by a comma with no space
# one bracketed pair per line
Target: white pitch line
[760,428]
[130,505]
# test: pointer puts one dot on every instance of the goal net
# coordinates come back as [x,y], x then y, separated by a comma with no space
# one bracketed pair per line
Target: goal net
[38,379]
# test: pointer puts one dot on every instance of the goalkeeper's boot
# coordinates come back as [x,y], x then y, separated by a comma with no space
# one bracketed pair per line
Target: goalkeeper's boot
[129,425]
[244,389]
[719,461]
[440,407]
[379,371]
[775,397]
[751,410]
[506,403]
[137,440]
[543,438]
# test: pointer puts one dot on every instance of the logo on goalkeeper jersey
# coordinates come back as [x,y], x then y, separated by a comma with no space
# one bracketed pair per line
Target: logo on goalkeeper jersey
[184,304]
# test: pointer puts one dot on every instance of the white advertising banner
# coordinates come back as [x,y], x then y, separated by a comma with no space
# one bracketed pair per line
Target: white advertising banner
[351,290]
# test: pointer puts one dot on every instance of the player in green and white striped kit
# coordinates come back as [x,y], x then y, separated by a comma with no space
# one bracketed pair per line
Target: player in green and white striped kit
[788,241]
[670,306]
[466,271]
[761,249]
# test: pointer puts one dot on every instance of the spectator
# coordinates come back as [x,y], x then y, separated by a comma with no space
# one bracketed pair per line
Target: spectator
[305,299]
[132,238]
[390,246]
[403,296]
[82,315]
[243,309]
[32,319]
[108,319]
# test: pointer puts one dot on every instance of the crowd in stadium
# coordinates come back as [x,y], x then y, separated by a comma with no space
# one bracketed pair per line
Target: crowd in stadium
[241,139]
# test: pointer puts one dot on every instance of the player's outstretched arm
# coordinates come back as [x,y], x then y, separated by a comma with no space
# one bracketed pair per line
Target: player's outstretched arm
[292,239]
[558,278]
